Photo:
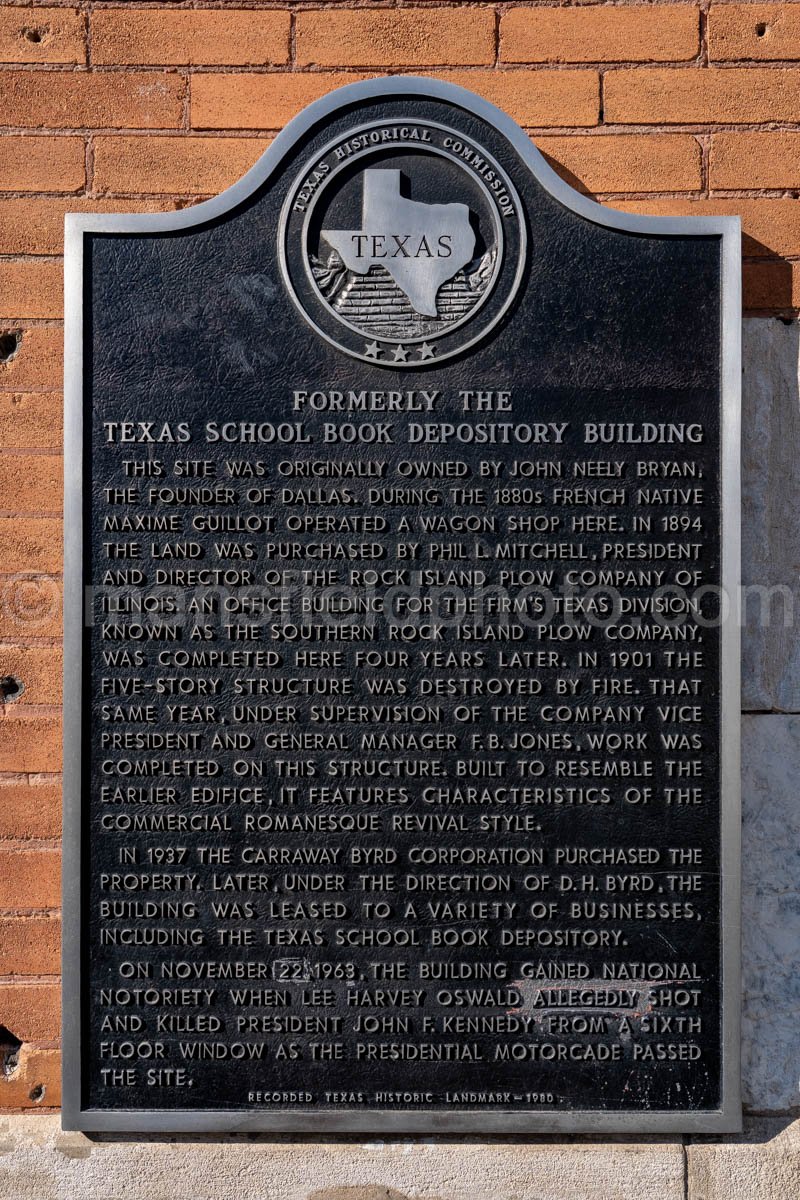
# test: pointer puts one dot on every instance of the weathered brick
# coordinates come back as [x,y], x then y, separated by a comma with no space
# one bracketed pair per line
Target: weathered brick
[41,163]
[626,162]
[30,420]
[692,95]
[36,1083]
[30,946]
[37,362]
[249,101]
[754,31]
[38,668]
[601,33]
[211,38]
[30,809]
[31,287]
[29,879]
[537,98]
[35,224]
[41,35]
[769,227]
[422,37]
[770,284]
[30,606]
[29,743]
[78,99]
[31,1011]
[177,165]
[31,483]
[30,544]
[755,160]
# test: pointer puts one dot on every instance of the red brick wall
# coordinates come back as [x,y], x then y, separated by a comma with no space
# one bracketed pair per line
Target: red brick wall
[659,107]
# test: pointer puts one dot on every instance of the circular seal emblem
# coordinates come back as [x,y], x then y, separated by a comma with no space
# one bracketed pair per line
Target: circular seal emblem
[402,243]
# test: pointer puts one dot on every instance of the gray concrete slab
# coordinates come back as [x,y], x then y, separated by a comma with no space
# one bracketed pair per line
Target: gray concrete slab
[771,912]
[771,515]
[38,1162]
[763,1163]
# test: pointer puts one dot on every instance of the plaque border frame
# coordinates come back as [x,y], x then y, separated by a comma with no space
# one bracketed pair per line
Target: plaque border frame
[728,1117]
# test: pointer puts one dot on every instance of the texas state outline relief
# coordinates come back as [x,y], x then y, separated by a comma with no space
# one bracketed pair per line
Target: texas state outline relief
[420,245]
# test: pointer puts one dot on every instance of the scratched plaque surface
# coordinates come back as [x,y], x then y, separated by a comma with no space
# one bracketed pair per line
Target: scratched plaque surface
[401,750]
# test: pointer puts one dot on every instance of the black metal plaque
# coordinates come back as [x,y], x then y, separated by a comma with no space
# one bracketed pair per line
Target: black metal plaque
[402,673]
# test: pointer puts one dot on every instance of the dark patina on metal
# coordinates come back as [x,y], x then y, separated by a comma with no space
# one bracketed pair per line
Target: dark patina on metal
[401,761]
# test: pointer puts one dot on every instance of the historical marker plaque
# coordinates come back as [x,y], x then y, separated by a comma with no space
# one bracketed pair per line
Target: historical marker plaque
[402,675]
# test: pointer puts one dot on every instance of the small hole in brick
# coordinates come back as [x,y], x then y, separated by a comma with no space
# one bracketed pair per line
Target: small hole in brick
[11,688]
[761,28]
[33,35]
[36,1094]
[9,345]
[9,1052]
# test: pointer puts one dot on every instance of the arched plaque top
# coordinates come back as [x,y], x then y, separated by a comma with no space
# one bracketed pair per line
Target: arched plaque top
[411,87]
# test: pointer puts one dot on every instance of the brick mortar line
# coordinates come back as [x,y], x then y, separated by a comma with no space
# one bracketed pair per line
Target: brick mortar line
[294,67]
[66,197]
[504,66]
[34,711]
[15,845]
[703,29]
[32,913]
[26,1110]
[252,133]
[172,5]
[170,198]
[502,6]
[10,194]
[34,642]
[704,141]
[83,131]
[32,980]
[39,775]
[25,708]
[594,64]
[18,845]
[25,777]
[86,13]
[610,129]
